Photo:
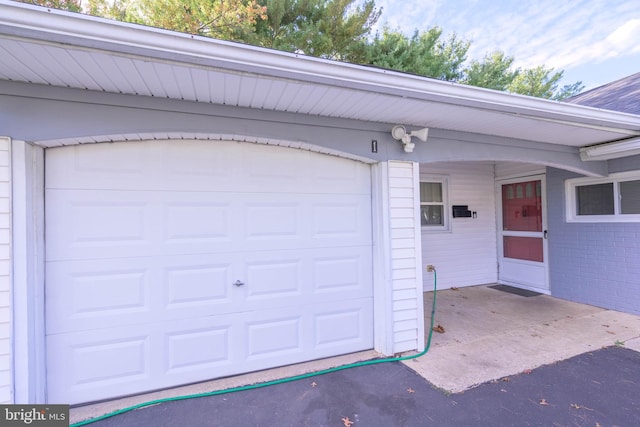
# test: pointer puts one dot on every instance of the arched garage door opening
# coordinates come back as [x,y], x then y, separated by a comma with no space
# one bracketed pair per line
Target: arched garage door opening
[173,262]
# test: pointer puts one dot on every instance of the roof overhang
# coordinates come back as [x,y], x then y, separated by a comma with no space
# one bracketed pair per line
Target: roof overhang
[56,48]
[612,150]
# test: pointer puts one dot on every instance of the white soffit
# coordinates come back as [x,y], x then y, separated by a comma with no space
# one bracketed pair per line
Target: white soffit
[55,48]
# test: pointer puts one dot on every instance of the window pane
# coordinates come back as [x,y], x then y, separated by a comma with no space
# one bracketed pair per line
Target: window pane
[431,192]
[527,248]
[630,197]
[524,211]
[431,215]
[595,199]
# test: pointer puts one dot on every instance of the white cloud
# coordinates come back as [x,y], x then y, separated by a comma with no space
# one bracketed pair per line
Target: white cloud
[558,34]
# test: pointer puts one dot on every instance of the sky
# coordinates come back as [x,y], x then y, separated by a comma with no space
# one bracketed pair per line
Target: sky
[593,41]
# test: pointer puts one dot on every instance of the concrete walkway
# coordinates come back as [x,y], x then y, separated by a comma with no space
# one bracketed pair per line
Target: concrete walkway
[490,334]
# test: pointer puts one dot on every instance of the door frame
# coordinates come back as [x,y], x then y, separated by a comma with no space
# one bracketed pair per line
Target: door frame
[499,232]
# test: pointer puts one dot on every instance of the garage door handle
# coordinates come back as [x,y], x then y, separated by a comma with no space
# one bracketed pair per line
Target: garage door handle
[238,283]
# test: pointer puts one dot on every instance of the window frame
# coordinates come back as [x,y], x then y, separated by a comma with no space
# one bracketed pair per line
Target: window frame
[615,179]
[446,223]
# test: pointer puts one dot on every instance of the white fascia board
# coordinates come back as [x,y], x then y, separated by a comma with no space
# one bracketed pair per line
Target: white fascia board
[612,150]
[46,25]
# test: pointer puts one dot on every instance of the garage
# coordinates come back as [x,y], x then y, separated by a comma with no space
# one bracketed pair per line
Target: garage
[178,261]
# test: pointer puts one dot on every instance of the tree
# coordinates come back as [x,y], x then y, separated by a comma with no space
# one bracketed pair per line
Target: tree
[223,19]
[424,54]
[492,72]
[542,82]
[333,29]
[70,5]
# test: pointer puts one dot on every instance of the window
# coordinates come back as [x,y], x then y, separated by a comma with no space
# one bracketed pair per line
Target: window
[613,199]
[433,203]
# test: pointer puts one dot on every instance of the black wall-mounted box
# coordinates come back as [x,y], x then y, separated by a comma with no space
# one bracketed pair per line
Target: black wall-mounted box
[461,211]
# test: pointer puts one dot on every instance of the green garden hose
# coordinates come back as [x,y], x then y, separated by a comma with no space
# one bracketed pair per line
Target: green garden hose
[279,381]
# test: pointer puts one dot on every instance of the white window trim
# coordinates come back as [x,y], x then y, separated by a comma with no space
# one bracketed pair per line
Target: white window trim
[616,178]
[446,211]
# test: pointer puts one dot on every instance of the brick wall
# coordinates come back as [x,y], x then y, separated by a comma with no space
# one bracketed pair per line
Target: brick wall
[592,263]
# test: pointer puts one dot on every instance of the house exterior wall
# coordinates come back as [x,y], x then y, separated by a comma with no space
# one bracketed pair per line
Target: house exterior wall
[6,395]
[470,239]
[406,268]
[75,116]
[592,263]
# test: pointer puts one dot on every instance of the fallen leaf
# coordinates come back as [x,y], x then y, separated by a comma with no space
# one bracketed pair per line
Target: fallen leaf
[527,371]
[453,288]
[314,384]
[410,390]
[606,326]
[505,379]
[347,422]
[543,402]
[611,332]
[576,406]
[438,329]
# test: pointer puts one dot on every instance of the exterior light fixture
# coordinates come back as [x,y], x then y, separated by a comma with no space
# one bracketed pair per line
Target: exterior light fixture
[399,133]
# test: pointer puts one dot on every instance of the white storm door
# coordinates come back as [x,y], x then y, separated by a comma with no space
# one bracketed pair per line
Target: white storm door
[522,233]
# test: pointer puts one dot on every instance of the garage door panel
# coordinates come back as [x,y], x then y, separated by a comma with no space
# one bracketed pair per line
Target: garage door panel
[192,260]
[91,294]
[138,290]
[140,357]
[343,326]
[117,359]
[341,220]
[172,165]
[93,224]
[343,271]
[328,174]
[97,166]
[268,337]
[112,224]
[192,346]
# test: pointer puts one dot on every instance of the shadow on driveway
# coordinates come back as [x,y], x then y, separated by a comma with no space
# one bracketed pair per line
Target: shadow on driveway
[596,388]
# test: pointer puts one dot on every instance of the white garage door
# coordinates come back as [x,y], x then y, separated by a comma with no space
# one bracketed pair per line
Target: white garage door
[171,262]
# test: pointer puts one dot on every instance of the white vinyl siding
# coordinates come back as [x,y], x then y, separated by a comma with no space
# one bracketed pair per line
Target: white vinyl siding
[406,274]
[5,273]
[465,256]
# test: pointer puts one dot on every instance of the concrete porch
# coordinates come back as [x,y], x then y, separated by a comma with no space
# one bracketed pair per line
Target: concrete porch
[490,334]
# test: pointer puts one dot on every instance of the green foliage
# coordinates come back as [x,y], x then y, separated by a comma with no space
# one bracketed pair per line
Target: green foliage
[334,29]
[424,53]
[542,82]
[492,72]
[223,19]
[70,5]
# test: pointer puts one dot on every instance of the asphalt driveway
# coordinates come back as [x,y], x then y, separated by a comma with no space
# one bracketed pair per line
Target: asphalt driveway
[599,388]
